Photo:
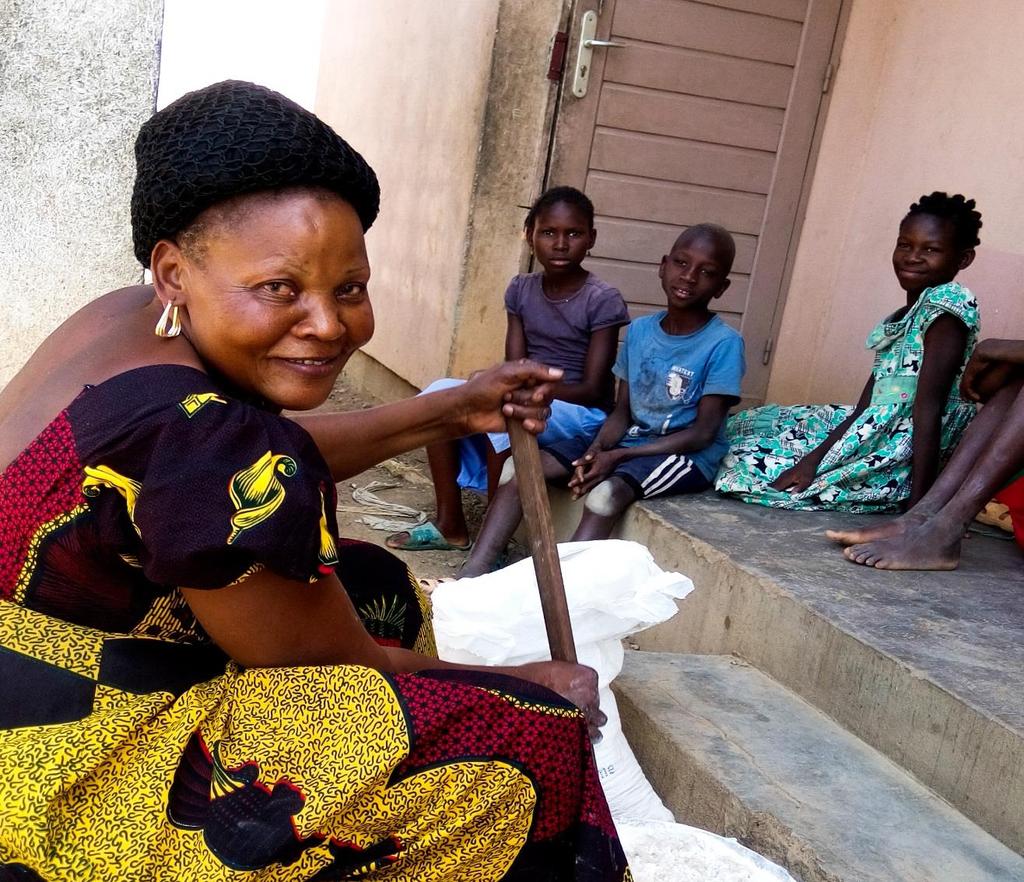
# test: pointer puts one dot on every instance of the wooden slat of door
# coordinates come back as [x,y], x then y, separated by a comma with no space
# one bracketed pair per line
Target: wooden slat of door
[699,73]
[709,29]
[673,159]
[671,203]
[777,234]
[620,239]
[794,10]
[689,116]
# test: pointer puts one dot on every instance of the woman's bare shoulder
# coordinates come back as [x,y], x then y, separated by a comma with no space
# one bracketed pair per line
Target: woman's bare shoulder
[108,336]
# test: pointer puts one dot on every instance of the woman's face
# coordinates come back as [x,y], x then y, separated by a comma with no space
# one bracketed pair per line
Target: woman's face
[276,300]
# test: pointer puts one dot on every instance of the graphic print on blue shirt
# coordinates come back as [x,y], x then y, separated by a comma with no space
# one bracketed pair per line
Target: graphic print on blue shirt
[679,383]
[668,374]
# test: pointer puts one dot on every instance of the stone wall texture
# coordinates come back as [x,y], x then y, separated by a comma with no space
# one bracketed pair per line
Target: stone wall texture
[77,79]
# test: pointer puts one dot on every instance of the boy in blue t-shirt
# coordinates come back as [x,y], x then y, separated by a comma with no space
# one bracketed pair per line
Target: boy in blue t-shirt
[679,373]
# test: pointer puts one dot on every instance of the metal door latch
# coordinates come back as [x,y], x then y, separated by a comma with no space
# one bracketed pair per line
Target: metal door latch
[581,77]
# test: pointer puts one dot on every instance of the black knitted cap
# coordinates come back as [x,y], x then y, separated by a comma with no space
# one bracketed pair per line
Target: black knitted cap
[233,138]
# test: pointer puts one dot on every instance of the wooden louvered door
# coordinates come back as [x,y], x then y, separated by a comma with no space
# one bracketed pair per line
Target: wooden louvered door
[707,113]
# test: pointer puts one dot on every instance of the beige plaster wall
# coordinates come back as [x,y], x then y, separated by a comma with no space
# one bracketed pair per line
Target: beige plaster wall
[509,175]
[450,110]
[76,81]
[926,97]
[407,87]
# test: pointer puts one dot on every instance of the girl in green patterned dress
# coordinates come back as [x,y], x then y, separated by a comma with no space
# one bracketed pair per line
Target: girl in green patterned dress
[887,449]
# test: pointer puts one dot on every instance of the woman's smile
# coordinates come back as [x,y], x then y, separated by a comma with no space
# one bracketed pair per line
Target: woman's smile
[313,367]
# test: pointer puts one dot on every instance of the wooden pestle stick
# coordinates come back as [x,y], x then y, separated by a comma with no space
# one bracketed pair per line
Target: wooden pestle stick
[533,493]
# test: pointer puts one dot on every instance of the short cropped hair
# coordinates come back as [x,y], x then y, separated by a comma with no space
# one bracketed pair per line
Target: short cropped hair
[568,195]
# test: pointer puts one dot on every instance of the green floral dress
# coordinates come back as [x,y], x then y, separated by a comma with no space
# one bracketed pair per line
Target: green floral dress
[868,469]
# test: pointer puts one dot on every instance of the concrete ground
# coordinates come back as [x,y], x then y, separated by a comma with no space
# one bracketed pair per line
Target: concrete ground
[924,668]
[964,629]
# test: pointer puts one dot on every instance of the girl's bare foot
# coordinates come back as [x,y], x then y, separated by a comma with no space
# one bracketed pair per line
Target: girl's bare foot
[932,545]
[885,530]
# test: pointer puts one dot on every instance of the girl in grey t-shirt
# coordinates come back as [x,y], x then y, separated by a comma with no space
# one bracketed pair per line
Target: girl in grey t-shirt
[563,316]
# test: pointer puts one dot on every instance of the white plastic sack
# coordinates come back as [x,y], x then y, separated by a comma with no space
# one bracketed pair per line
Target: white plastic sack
[613,588]
[665,852]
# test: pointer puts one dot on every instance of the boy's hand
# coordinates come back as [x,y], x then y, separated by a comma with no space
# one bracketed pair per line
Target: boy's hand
[520,390]
[986,372]
[797,478]
[591,469]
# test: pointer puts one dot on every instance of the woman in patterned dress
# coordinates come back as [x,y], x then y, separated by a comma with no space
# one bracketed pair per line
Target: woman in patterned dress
[187,691]
[886,450]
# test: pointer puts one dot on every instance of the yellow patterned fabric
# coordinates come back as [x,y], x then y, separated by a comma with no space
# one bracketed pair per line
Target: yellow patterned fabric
[257,491]
[285,774]
[132,749]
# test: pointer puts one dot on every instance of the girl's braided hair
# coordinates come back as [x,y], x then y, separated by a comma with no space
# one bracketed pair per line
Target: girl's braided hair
[956,208]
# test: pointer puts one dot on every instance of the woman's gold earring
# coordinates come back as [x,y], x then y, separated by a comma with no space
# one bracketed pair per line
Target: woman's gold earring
[168,325]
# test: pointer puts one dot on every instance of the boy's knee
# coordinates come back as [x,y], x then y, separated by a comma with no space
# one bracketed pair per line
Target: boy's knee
[442,384]
[508,472]
[608,498]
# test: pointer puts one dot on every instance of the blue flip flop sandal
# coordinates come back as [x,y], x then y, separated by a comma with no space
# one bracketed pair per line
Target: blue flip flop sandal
[425,537]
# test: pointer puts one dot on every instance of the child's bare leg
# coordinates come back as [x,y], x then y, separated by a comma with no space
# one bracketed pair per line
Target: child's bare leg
[969,451]
[934,544]
[602,508]
[495,463]
[503,516]
[445,463]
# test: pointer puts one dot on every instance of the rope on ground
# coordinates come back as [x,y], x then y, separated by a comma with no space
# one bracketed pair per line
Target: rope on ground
[398,469]
[379,514]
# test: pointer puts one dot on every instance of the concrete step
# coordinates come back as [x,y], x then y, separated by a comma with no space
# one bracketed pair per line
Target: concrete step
[928,668]
[731,750]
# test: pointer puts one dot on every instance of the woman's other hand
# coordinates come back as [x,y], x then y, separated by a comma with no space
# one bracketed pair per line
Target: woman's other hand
[797,478]
[577,683]
[520,390]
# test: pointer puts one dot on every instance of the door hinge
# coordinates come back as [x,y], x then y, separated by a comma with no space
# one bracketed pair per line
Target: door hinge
[767,354]
[827,82]
[558,47]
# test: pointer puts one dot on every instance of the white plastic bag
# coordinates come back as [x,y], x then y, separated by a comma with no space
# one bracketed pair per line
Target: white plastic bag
[662,852]
[613,589]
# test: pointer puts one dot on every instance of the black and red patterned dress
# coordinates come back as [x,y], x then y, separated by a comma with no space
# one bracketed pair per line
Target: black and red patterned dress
[131,748]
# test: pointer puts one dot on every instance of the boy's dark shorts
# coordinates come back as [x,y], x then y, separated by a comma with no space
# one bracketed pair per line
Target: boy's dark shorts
[657,475]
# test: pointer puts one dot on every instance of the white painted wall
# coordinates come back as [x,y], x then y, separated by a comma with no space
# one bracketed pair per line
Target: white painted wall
[273,43]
